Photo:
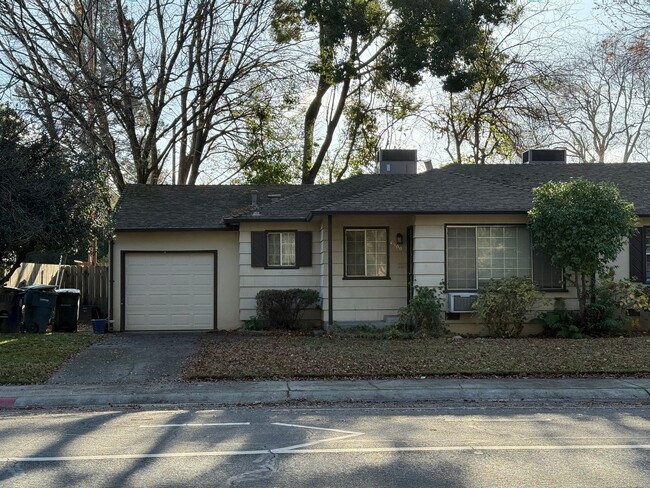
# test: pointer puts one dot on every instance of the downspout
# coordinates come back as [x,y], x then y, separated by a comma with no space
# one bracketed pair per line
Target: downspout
[330,267]
[110,284]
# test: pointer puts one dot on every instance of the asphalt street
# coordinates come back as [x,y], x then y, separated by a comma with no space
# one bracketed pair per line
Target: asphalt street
[429,446]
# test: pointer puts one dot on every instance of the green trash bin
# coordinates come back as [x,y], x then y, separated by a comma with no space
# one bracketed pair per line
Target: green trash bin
[11,309]
[39,303]
[6,304]
[66,312]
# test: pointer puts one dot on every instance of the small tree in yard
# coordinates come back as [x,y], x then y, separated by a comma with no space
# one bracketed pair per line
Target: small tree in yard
[582,226]
[50,197]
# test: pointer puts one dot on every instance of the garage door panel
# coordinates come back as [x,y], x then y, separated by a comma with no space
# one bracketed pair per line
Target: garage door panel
[169,291]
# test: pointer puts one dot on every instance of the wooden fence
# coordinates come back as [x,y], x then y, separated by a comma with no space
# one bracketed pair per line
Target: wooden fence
[92,281]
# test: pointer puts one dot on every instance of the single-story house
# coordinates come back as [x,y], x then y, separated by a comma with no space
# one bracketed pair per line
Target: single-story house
[195,257]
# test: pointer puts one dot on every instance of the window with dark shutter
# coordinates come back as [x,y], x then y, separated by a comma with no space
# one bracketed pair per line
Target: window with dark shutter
[281,249]
[639,256]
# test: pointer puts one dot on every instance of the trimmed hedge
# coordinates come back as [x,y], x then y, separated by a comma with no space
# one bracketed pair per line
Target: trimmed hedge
[282,309]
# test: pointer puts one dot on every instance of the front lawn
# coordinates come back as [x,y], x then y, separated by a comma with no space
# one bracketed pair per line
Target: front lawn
[32,358]
[240,356]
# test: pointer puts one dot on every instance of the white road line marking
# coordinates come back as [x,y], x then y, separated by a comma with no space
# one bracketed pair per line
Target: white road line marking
[361,450]
[493,420]
[194,425]
[313,443]
[316,428]
[133,456]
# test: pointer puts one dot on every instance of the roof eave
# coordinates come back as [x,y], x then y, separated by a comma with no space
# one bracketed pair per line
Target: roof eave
[267,219]
[417,212]
[174,229]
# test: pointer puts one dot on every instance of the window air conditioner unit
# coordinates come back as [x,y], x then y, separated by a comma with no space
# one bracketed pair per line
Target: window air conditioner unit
[461,302]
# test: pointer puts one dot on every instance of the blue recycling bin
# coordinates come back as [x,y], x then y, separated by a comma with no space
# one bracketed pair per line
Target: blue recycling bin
[11,309]
[39,303]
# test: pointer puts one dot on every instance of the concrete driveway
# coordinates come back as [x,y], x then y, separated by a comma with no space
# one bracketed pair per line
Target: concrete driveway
[130,359]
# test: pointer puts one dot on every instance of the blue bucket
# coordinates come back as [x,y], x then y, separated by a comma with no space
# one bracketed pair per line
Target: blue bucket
[99,326]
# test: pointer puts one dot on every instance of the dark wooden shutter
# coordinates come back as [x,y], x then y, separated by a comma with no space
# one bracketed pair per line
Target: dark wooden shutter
[638,257]
[258,249]
[303,248]
[545,275]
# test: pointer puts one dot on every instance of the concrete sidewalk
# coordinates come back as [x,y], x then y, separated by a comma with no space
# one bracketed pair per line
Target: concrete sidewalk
[242,393]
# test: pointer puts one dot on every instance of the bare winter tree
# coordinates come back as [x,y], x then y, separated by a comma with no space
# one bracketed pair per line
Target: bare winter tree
[136,80]
[632,17]
[600,103]
[493,118]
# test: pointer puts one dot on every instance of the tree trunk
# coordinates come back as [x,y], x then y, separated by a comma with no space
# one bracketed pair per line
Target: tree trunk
[310,123]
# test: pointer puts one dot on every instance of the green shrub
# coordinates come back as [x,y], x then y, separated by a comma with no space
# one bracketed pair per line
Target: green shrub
[282,309]
[601,319]
[423,314]
[503,305]
[605,315]
[253,323]
[559,322]
[629,295]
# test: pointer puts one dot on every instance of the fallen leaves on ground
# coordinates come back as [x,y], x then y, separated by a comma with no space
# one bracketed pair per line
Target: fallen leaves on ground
[240,356]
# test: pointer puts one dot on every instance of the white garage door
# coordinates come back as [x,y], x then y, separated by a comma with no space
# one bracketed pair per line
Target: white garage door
[169,291]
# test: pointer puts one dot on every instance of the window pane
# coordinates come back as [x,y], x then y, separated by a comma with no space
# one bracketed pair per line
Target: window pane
[461,268]
[505,253]
[288,249]
[273,249]
[354,249]
[375,252]
[366,253]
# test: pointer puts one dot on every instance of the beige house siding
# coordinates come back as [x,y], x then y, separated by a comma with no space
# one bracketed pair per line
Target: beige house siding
[224,242]
[252,280]
[355,300]
[429,242]
[367,300]
[429,262]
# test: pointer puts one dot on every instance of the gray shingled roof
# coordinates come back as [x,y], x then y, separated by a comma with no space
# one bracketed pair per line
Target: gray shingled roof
[452,189]
[491,188]
[300,206]
[162,207]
